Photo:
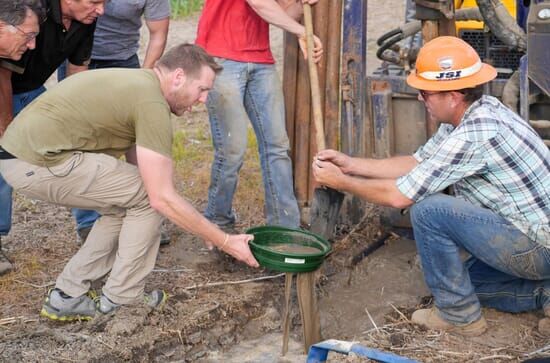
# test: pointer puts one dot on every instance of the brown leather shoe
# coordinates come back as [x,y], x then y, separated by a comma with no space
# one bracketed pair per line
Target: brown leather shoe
[430,318]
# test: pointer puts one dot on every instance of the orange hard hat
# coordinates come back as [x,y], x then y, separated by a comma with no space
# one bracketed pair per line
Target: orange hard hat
[449,64]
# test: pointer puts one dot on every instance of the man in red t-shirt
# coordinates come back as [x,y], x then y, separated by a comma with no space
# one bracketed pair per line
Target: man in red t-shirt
[237,33]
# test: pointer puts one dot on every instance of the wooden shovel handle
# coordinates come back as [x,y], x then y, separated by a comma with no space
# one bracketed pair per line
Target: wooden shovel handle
[314,80]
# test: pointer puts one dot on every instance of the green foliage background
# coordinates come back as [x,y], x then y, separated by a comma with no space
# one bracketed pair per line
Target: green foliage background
[183,8]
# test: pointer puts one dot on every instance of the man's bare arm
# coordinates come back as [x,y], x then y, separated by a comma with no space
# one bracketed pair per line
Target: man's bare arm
[293,8]
[6,99]
[272,12]
[157,172]
[158,31]
[377,191]
[382,191]
[393,167]
[388,168]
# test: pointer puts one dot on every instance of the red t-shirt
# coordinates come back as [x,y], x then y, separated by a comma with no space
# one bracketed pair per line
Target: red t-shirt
[231,29]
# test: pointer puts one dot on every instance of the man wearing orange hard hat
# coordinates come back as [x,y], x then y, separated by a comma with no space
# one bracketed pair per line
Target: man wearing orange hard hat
[499,169]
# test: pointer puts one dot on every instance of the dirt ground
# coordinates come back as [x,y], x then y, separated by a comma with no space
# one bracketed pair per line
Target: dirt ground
[216,313]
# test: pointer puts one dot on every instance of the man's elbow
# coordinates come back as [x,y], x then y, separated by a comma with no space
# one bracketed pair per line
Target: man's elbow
[159,203]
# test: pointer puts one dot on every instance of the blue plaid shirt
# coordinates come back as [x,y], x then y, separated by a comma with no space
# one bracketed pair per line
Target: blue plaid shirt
[495,160]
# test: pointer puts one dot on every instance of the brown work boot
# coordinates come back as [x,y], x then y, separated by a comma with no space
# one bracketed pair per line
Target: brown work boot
[544,323]
[5,264]
[430,318]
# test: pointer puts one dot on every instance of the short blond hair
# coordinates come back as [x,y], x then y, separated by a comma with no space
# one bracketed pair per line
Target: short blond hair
[190,58]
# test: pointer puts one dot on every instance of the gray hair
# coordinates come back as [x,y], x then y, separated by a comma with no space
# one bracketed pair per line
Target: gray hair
[14,12]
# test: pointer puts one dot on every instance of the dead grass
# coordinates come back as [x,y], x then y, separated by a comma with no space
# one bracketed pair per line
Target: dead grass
[399,336]
[402,337]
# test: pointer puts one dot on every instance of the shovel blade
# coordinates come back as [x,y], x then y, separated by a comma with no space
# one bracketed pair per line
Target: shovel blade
[324,211]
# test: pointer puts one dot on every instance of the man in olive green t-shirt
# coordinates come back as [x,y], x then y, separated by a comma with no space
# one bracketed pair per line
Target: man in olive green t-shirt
[65,148]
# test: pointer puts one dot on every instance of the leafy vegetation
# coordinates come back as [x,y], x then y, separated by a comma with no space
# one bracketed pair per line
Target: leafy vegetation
[183,8]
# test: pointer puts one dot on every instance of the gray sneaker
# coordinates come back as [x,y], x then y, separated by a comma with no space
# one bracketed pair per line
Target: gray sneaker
[105,306]
[5,264]
[61,307]
[155,300]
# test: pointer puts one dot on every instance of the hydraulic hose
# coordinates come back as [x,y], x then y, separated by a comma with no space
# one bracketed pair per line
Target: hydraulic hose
[502,24]
[385,54]
[468,14]
[390,39]
[387,35]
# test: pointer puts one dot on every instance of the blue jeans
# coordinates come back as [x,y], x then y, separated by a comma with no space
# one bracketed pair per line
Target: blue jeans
[132,62]
[506,271]
[249,91]
[19,102]
[5,207]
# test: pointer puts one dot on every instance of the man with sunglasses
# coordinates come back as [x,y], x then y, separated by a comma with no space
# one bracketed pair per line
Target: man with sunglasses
[19,26]
[67,33]
[499,169]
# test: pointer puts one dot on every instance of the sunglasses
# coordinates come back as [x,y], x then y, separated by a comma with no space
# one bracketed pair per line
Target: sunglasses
[426,94]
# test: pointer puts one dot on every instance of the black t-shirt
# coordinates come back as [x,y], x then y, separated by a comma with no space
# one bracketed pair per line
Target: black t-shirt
[54,45]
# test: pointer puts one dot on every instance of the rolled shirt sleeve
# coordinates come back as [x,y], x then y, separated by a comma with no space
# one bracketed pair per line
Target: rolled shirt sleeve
[444,160]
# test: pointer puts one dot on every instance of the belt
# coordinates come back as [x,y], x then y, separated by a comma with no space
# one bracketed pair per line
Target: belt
[4,155]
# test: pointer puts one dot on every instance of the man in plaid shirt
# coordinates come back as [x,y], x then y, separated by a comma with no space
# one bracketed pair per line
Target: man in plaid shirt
[499,169]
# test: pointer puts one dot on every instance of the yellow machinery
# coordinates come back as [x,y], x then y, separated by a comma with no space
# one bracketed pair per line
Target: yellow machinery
[490,48]
[478,25]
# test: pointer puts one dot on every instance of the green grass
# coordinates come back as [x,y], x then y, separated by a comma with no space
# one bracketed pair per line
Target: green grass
[184,8]
[195,146]
[191,146]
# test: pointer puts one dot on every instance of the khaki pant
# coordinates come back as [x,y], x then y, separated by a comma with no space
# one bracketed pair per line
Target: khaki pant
[124,241]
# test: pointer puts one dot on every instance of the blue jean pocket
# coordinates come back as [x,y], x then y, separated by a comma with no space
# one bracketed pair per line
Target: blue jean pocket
[533,264]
